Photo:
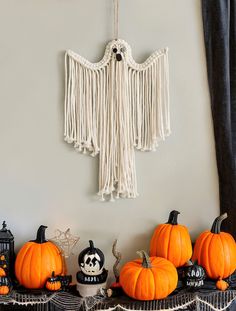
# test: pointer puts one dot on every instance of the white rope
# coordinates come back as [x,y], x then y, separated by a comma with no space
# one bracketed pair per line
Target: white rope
[116,19]
[113,106]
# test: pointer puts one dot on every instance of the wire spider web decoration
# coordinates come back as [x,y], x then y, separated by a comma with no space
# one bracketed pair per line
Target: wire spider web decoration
[66,241]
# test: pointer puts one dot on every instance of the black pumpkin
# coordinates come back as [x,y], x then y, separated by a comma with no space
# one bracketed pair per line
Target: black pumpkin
[194,275]
[65,281]
[91,260]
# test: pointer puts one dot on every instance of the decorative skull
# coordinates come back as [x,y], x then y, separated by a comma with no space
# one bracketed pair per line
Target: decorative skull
[194,275]
[91,260]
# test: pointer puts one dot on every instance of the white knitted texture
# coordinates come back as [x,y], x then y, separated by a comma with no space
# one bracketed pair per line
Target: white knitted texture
[113,106]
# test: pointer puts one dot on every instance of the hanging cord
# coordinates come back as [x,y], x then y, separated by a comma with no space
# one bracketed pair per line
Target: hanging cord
[116,19]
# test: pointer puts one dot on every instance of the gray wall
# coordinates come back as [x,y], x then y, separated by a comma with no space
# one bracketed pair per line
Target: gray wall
[43,180]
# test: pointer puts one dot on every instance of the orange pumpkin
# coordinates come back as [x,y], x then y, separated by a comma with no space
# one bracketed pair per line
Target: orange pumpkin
[148,278]
[2,272]
[172,241]
[36,260]
[53,283]
[4,285]
[216,251]
[4,290]
[222,285]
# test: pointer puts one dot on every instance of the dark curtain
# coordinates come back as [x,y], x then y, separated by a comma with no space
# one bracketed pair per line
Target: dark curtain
[219,21]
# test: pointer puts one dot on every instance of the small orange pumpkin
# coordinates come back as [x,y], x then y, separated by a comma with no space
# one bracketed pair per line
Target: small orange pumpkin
[216,251]
[4,285]
[4,290]
[172,241]
[53,283]
[2,272]
[222,285]
[148,278]
[36,260]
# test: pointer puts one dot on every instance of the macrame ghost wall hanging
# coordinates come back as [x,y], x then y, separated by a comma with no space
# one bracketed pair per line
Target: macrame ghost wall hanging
[115,106]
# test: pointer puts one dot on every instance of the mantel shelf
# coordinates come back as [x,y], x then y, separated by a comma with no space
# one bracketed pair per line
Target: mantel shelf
[69,301]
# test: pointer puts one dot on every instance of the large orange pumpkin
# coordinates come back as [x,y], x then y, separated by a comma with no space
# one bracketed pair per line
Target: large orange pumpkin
[36,260]
[148,278]
[172,241]
[216,251]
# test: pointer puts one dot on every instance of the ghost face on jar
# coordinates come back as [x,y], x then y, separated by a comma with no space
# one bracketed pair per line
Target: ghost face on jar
[91,260]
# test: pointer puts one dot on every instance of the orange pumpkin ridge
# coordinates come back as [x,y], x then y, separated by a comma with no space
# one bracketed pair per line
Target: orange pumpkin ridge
[148,278]
[154,241]
[36,260]
[216,251]
[172,241]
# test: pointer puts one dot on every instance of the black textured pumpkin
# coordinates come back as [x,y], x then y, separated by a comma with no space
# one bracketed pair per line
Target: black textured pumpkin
[194,275]
[65,281]
[91,260]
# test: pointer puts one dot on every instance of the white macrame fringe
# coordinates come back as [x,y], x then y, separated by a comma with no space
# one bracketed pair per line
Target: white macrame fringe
[112,107]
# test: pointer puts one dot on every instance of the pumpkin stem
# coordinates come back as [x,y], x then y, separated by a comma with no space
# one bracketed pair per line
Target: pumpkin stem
[173,218]
[91,245]
[40,238]
[53,274]
[217,223]
[146,259]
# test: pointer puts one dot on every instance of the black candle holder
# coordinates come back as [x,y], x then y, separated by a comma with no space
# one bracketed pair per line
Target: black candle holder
[7,254]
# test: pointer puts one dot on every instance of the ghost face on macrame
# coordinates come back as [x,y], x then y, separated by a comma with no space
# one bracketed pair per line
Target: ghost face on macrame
[113,107]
